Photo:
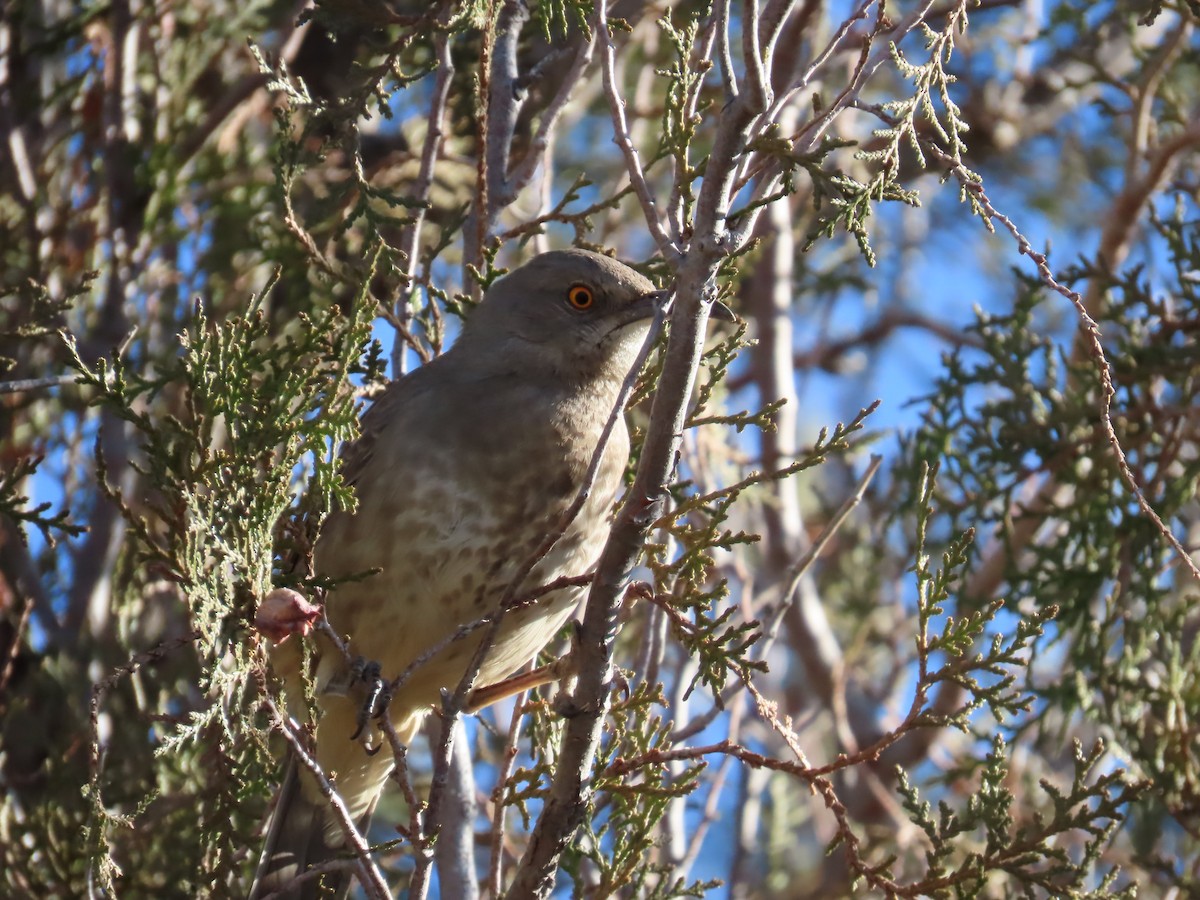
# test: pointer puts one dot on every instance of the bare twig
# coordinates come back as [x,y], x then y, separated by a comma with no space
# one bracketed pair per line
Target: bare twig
[469,628]
[831,528]
[523,173]
[13,650]
[728,75]
[410,238]
[100,690]
[668,245]
[712,805]
[23,385]
[756,86]
[508,761]
[1090,332]
[312,873]
[372,879]
[839,38]
[399,774]
[829,354]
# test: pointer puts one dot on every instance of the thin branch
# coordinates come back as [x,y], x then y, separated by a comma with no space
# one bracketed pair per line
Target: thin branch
[1090,333]
[410,238]
[465,630]
[330,866]
[668,245]
[757,90]
[728,75]
[507,764]
[13,650]
[828,353]
[770,26]
[1145,93]
[399,774]
[370,876]
[834,46]
[802,565]
[23,385]
[100,690]
[712,807]
[523,173]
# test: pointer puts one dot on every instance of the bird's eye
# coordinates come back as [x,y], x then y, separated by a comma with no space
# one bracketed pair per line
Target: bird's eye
[580,296]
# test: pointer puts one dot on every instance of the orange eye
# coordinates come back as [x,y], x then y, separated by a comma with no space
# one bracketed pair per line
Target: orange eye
[580,296]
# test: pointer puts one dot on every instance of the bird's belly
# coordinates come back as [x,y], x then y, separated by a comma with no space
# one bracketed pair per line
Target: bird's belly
[432,638]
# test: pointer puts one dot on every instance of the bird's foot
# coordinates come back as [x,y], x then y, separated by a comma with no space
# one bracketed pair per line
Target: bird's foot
[638,590]
[378,695]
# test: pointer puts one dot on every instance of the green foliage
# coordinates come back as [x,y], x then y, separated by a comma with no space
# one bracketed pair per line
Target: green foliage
[681,116]
[256,411]
[1122,621]
[15,505]
[253,409]
[719,642]
[849,199]
[626,808]
[971,844]
[630,796]
[928,78]
[558,17]
[987,678]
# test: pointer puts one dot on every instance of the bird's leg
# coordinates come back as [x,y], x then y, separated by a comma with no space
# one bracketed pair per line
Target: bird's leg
[559,669]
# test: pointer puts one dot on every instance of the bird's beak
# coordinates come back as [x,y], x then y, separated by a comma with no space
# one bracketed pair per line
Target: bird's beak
[648,306]
[645,307]
[721,312]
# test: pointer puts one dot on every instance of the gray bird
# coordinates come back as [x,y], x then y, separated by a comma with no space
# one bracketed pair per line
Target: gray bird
[462,468]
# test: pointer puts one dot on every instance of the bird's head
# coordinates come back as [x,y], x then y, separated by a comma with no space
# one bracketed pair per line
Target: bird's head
[567,314]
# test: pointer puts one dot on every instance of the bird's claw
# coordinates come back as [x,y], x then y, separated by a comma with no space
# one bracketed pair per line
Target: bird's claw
[379,695]
[621,683]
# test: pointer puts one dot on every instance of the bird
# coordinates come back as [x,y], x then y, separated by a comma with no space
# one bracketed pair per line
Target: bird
[461,469]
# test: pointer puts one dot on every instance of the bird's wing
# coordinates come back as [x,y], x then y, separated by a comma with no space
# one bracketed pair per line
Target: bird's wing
[385,408]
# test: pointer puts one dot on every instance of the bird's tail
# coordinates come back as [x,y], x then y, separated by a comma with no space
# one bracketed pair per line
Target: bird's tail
[296,841]
[302,832]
